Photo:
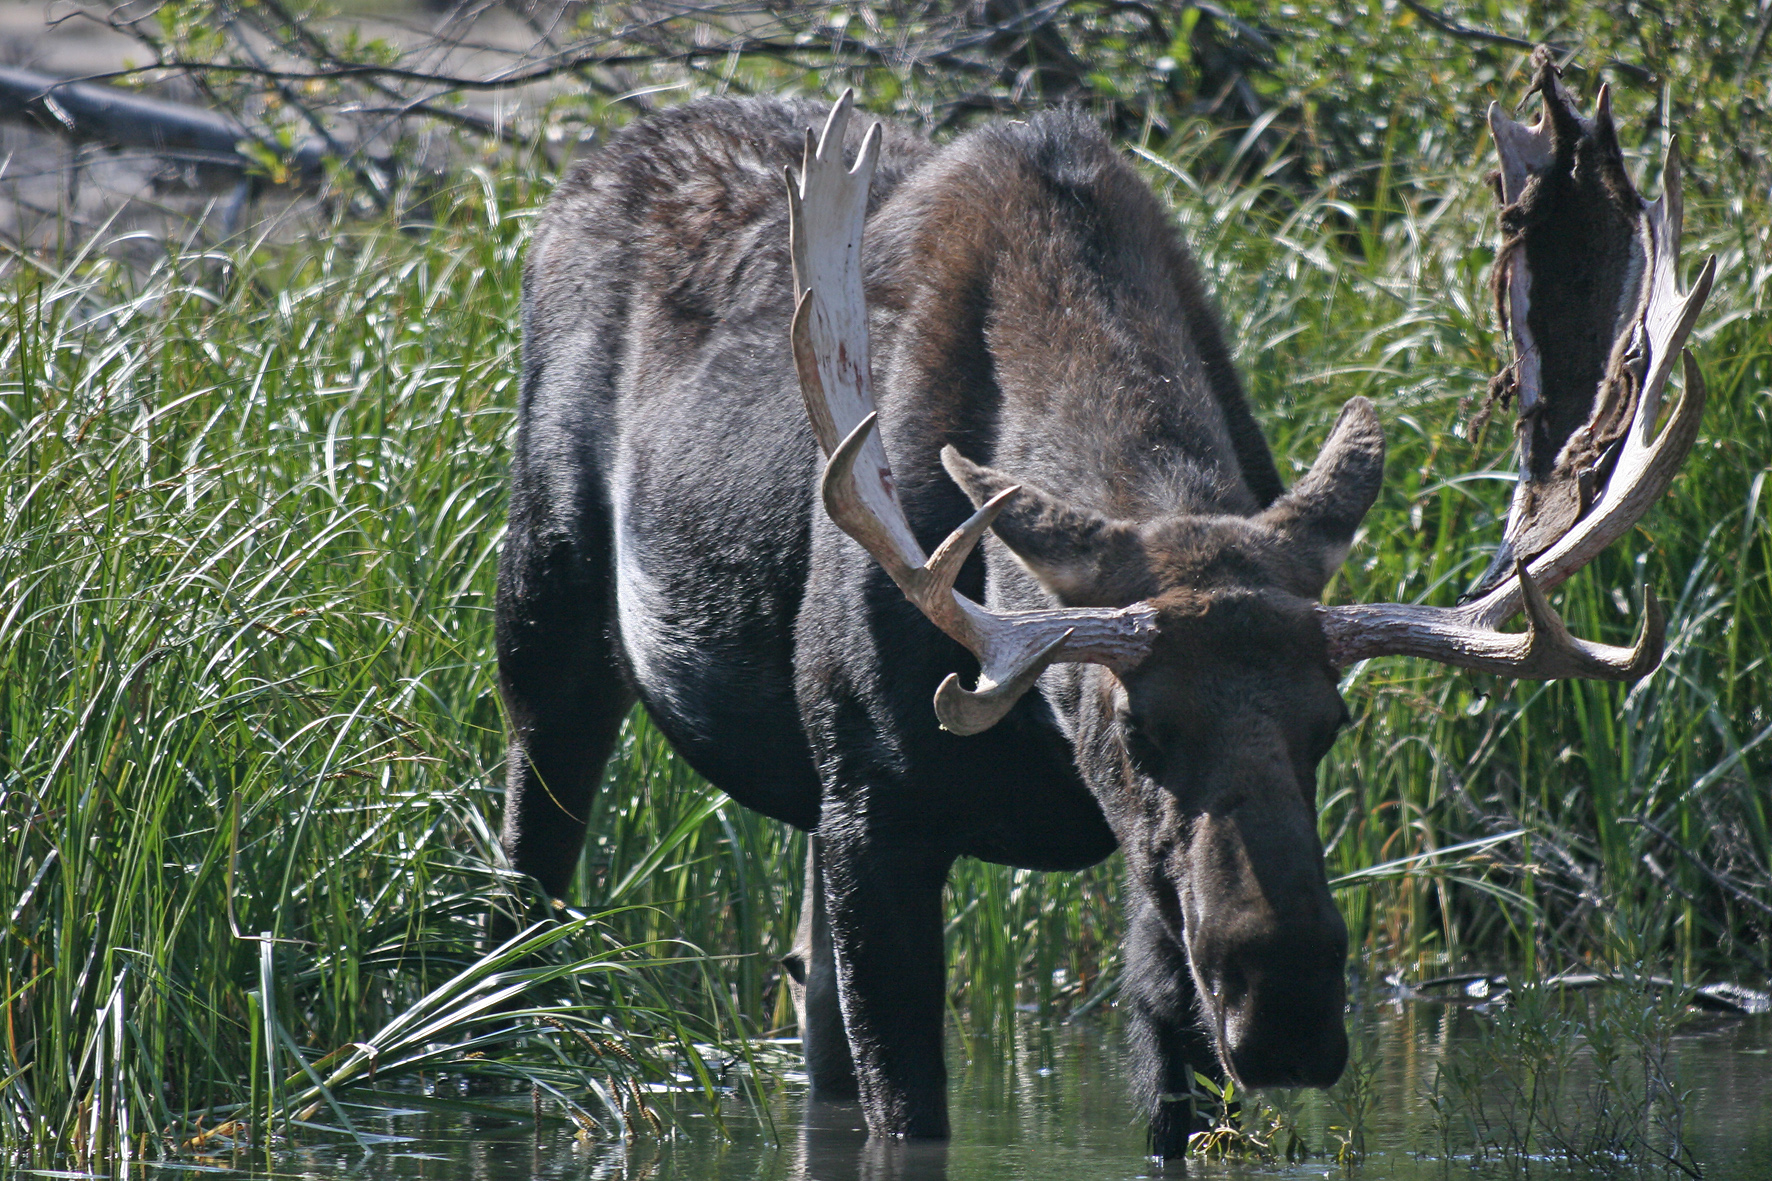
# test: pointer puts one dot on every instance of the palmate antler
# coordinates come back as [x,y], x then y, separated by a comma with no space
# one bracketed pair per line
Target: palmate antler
[827,206]
[1582,487]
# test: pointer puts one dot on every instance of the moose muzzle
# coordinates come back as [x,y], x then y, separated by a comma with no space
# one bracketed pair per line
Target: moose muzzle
[1280,1018]
[1267,945]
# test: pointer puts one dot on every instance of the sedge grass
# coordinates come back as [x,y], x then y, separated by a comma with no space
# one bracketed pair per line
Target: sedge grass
[248,725]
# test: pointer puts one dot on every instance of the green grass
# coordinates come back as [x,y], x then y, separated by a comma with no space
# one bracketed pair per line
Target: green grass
[249,737]
[250,743]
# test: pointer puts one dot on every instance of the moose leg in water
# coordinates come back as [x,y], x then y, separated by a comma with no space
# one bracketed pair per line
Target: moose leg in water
[1163,1030]
[884,899]
[812,980]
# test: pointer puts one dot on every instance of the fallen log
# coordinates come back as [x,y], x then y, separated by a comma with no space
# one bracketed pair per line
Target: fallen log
[90,113]
[1486,988]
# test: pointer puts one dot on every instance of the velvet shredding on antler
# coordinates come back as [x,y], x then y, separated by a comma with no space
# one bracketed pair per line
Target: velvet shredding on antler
[1572,281]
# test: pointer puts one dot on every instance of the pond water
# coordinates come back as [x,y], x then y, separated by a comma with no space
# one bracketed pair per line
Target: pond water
[1050,1104]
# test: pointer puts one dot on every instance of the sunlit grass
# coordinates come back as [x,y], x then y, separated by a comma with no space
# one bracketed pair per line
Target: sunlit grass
[249,736]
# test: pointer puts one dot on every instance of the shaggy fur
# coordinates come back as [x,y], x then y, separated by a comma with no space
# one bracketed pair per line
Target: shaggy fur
[1034,311]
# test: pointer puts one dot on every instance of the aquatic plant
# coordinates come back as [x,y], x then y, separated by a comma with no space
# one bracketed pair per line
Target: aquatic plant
[1582,1078]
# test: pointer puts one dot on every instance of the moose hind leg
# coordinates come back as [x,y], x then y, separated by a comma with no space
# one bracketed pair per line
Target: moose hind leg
[1166,1041]
[812,980]
[566,699]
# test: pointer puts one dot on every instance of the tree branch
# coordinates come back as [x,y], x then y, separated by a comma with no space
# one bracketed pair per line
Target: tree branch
[1452,28]
[562,65]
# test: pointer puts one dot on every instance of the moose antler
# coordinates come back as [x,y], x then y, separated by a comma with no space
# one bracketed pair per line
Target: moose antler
[827,209]
[1583,484]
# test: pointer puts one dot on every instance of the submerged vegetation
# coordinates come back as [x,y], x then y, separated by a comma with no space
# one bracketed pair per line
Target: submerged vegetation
[1584,1080]
[250,748]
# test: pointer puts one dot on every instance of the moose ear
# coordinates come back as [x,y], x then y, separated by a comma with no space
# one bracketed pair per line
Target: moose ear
[1082,557]
[1321,512]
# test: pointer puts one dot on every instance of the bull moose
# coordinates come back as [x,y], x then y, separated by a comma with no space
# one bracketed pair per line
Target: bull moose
[1152,668]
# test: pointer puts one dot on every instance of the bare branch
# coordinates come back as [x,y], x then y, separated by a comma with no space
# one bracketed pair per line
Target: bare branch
[1452,28]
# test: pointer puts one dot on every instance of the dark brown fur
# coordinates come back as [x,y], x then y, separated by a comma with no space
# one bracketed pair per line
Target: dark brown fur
[1033,309]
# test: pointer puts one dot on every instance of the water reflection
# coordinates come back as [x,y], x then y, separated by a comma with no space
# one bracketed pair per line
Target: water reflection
[833,1145]
[1047,1103]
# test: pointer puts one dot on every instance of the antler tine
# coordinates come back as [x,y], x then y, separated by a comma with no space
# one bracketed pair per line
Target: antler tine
[1523,150]
[929,583]
[827,212]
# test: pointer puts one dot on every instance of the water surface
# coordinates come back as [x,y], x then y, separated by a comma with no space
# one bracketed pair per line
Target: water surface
[1049,1104]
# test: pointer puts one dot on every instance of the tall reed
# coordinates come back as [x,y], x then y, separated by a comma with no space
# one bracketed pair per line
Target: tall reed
[249,737]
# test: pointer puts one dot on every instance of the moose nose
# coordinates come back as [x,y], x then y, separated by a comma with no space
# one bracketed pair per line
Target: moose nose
[1301,1048]
[1283,1024]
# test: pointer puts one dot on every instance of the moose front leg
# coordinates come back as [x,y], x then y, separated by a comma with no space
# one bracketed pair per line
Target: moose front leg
[1163,1028]
[884,910]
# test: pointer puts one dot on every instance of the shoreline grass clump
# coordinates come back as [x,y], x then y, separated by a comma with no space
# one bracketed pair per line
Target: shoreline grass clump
[249,735]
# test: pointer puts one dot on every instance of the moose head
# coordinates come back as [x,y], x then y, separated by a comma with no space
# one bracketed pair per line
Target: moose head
[1188,657]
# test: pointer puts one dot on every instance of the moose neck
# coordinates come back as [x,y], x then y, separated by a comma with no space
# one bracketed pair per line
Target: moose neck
[1048,322]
